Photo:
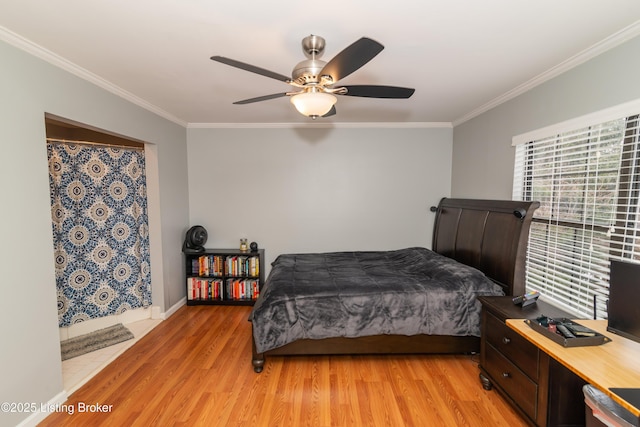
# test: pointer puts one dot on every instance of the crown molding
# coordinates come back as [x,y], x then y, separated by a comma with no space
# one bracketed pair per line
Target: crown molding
[38,51]
[322,125]
[610,42]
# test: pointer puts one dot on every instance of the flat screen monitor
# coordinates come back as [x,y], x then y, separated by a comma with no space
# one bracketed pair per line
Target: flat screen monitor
[624,300]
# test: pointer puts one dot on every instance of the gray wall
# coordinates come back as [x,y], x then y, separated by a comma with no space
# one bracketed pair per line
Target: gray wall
[482,153]
[30,365]
[302,190]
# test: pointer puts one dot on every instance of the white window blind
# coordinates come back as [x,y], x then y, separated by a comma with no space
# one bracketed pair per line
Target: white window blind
[587,181]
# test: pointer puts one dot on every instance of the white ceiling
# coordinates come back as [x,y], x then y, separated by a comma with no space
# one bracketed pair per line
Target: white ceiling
[461,56]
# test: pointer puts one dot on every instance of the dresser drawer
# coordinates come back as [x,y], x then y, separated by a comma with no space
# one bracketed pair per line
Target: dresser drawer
[508,342]
[512,380]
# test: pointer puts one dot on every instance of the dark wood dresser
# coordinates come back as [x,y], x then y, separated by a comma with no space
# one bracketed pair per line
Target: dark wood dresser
[544,392]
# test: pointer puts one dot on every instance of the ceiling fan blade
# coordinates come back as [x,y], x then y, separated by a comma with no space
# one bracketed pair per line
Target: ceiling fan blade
[251,68]
[352,58]
[261,98]
[373,91]
[331,112]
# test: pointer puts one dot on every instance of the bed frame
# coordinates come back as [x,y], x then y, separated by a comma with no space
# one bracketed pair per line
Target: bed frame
[490,235]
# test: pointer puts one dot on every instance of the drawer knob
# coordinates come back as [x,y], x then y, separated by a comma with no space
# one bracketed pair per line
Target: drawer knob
[506,340]
[506,374]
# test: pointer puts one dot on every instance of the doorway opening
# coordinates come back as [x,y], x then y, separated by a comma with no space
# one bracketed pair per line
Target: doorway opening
[100,227]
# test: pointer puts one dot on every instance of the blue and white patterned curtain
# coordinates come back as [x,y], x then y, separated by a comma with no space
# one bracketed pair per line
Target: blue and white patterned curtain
[100,230]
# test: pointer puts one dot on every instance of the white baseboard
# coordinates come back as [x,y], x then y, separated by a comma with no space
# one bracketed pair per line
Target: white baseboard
[130,316]
[156,313]
[174,308]
[91,325]
[54,405]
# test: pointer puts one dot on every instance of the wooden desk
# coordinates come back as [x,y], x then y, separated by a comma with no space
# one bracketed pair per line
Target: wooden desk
[614,364]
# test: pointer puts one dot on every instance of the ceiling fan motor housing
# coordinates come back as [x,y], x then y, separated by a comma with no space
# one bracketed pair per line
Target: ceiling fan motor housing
[307,71]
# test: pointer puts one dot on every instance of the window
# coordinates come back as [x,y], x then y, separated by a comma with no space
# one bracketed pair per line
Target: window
[587,180]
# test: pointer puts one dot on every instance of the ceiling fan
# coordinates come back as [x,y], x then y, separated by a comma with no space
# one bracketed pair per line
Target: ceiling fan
[316,80]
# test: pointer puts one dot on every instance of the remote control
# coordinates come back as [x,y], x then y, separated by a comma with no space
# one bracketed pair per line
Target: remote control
[565,331]
[526,299]
[518,300]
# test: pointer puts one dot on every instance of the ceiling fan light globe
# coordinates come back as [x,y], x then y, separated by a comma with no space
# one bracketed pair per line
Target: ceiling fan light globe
[313,104]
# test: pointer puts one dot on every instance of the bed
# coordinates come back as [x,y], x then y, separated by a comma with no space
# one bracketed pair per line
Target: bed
[405,301]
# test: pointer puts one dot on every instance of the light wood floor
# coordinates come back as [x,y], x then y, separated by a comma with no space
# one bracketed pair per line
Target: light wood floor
[195,369]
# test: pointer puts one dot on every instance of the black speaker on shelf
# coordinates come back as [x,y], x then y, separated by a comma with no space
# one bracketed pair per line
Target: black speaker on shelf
[194,240]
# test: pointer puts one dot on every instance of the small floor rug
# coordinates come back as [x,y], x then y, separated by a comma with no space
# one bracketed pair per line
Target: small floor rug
[93,341]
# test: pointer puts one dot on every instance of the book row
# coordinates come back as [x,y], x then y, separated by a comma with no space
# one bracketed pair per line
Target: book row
[202,289]
[221,265]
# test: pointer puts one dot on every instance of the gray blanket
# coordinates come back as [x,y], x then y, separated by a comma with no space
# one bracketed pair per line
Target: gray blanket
[350,294]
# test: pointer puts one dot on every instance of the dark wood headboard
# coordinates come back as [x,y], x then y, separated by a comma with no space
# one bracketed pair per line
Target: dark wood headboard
[490,235]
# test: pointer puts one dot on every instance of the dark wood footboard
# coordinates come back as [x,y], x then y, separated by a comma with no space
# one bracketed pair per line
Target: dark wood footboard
[376,344]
